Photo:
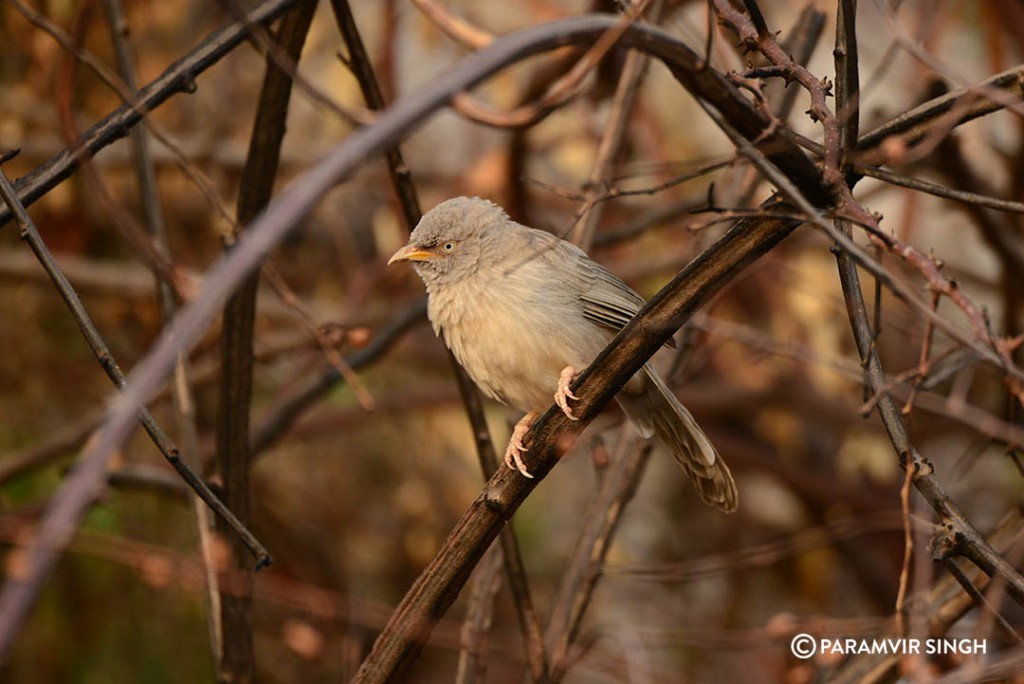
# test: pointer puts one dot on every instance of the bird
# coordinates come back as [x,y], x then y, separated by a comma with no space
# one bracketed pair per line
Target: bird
[523,311]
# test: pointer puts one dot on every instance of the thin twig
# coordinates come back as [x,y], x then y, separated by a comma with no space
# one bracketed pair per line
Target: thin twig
[129,95]
[50,449]
[454,26]
[141,242]
[288,296]
[967,103]
[944,191]
[908,553]
[980,600]
[560,92]
[602,170]
[279,417]
[924,360]
[289,64]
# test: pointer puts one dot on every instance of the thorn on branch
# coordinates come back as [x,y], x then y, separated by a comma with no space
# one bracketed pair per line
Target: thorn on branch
[1012,343]
[749,84]
[709,203]
[771,71]
[947,542]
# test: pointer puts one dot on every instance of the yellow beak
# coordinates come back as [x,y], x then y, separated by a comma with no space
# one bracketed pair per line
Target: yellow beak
[411,252]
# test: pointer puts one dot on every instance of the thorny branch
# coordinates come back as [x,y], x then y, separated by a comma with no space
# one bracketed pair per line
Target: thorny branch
[955,536]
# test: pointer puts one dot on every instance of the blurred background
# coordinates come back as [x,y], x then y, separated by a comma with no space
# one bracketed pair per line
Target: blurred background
[356,494]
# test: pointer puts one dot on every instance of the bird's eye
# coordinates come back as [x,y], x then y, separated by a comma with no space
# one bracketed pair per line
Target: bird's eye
[449,246]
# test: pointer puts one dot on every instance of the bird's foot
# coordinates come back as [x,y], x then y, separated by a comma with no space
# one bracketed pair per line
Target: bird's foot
[564,394]
[513,457]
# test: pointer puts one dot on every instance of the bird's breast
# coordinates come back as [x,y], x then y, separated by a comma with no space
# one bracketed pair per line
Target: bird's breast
[514,336]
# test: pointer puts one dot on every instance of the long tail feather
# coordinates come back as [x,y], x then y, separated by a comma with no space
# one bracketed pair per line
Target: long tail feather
[656,410]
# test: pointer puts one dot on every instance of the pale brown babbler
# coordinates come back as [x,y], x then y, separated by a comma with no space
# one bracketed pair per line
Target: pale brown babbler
[523,311]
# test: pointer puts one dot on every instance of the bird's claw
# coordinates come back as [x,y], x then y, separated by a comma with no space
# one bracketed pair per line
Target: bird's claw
[513,452]
[564,393]
[513,457]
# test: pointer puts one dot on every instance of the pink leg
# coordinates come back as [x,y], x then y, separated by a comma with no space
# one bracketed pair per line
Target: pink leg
[564,394]
[513,459]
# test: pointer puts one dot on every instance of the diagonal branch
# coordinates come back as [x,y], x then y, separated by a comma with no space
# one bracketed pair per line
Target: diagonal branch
[966,104]
[439,584]
[113,370]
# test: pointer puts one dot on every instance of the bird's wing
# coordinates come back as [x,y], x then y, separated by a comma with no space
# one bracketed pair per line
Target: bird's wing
[608,301]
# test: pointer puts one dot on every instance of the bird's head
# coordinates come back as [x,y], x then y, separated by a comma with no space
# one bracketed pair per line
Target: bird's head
[453,239]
